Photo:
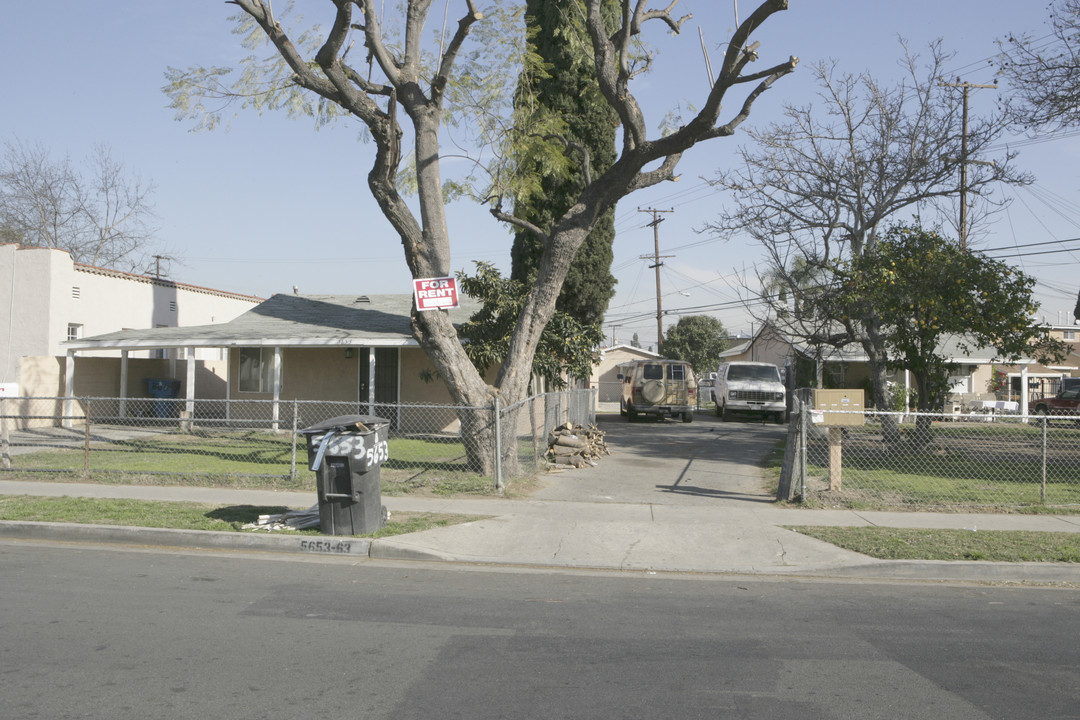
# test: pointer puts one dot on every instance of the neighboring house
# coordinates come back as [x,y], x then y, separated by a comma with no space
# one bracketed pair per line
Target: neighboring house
[971,378]
[348,348]
[605,373]
[49,300]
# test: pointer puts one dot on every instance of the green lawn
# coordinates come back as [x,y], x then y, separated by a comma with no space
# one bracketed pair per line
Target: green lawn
[183,515]
[990,545]
[970,465]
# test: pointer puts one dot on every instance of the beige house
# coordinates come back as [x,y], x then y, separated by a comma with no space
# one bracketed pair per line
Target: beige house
[50,300]
[343,348]
[605,373]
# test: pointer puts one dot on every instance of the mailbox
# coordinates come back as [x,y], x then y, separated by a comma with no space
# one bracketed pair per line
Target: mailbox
[840,407]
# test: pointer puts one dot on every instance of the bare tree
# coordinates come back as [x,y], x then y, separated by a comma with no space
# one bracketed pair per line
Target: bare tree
[402,81]
[1044,73]
[816,189]
[101,217]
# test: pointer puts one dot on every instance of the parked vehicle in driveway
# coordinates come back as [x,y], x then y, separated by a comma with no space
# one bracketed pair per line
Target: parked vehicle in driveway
[752,388]
[1066,402]
[659,388]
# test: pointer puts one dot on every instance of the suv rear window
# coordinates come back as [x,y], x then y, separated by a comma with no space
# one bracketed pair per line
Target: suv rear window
[652,372]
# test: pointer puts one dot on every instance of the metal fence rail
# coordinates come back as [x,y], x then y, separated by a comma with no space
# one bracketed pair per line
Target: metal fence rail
[952,461]
[259,443]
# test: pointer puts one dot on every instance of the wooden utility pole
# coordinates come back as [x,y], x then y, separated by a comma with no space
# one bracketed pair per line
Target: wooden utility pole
[962,232]
[655,257]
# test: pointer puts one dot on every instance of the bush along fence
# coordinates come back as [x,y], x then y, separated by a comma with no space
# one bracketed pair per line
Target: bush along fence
[943,461]
[259,443]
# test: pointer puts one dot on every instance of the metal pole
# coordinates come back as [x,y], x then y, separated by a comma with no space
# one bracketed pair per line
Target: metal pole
[1042,490]
[86,441]
[5,439]
[292,461]
[804,418]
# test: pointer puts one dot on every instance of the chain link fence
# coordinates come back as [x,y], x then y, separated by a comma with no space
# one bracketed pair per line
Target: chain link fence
[260,443]
[931,460]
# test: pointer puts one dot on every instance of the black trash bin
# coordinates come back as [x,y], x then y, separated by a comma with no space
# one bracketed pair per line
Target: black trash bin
[159,388]
[345,453]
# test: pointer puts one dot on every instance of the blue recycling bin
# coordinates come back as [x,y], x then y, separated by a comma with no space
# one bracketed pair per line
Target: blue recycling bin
[165,390]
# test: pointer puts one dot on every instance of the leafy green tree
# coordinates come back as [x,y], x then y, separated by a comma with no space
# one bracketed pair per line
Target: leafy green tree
[635,341]
[697,339]
[925,289]
[567,347]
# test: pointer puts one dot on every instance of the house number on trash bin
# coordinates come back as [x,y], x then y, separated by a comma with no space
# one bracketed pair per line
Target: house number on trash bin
[354,445]
[379,453]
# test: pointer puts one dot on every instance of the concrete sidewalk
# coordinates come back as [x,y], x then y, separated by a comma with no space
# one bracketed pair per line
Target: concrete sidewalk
[735,538]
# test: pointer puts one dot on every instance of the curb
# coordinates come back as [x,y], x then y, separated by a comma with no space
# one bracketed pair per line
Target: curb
[196,539]
[1047,574]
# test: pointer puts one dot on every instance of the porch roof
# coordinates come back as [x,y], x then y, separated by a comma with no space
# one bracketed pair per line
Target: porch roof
[289,321]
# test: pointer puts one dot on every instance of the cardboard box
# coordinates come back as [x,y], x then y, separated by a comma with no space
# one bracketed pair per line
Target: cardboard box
[840,407]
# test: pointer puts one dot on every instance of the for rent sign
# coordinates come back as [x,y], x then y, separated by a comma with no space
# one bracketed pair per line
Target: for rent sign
[435,293]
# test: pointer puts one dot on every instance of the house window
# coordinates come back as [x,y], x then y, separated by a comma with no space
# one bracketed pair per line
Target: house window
[74,331]
[76,293]
[1070,335]
[172,306]
[256,369]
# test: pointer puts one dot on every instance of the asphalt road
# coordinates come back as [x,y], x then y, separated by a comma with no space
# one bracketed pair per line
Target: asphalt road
[108,633]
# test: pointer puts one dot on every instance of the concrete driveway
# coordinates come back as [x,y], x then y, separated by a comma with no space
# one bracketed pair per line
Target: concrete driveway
[706,462]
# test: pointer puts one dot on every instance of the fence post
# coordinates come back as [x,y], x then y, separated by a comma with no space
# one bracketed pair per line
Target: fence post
[86,441]
[498,445]
[292,462]
[5,436]
[535,434]
[804,422]
[1042,489]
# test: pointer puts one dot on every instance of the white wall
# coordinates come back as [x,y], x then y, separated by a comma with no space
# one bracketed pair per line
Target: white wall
[42,292]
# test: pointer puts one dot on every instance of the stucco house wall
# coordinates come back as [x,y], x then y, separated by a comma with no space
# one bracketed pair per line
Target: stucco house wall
[605,373]
[45,293]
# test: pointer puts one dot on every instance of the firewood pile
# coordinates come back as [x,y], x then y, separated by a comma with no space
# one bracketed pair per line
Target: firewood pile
[576,446]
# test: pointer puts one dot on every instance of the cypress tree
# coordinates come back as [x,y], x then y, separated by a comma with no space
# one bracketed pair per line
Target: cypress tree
[568,91]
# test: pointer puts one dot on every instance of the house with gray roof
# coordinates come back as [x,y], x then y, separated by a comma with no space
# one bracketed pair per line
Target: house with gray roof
[971,380]
[344,348]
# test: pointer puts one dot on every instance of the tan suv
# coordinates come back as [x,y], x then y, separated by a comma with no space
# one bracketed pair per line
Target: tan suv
[658,387]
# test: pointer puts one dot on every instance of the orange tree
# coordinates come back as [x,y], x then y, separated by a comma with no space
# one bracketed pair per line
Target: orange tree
[928,291]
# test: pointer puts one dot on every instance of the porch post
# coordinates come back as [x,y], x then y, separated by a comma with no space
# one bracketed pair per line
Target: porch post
[123,382]
[69,388]
[189,406]
[1024,390]
[276,411]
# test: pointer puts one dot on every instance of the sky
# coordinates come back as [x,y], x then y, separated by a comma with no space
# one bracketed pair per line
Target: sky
[269,203]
